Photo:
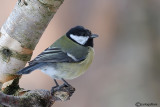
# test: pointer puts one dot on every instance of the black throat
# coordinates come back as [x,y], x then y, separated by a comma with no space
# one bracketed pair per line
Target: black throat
[89,42]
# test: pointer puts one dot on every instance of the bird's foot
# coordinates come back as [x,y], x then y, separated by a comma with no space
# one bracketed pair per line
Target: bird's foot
[22,2]
[60,87]
[62,90]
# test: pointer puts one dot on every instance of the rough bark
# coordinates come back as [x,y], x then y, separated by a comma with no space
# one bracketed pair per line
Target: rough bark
[21,32]
[19,36]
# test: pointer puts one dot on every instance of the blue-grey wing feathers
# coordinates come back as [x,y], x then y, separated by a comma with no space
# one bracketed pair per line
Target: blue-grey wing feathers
[50,55]
[29,68]
[54,55]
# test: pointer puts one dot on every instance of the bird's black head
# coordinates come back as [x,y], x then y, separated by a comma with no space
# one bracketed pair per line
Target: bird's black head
[81,36]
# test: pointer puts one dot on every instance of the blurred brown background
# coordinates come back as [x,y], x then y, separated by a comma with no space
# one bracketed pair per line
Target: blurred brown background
[127,60]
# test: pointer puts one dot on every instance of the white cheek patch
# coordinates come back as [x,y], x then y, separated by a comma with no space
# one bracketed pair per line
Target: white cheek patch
[79,39]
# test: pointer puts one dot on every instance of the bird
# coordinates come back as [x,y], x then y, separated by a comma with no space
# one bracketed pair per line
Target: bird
[67,58]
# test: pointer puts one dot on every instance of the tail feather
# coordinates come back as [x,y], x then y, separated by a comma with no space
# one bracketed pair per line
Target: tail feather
[29,69]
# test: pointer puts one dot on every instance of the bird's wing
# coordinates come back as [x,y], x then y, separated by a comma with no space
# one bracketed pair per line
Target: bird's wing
[54,55]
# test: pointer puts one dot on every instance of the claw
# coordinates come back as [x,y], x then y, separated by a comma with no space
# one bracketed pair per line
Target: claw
[58,88]
[54,89]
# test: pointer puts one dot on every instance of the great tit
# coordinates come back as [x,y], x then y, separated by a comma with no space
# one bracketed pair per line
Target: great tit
[67,58]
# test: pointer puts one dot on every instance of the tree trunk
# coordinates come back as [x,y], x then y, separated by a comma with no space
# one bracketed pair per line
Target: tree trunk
[19,36]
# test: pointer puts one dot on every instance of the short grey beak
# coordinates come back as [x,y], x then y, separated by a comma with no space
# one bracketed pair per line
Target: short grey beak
[93,36]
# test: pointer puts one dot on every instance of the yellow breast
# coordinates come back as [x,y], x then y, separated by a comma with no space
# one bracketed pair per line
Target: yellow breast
[73,70]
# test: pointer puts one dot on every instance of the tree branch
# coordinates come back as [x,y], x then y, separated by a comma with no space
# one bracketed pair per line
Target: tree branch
[35,98]
[19,36]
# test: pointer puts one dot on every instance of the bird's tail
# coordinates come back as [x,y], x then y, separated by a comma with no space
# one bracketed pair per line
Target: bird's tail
[29,69]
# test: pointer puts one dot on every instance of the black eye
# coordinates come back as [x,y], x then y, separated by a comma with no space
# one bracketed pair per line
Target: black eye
[88,33]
